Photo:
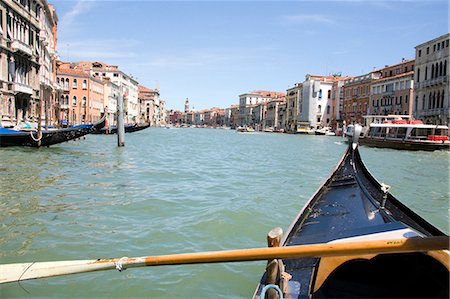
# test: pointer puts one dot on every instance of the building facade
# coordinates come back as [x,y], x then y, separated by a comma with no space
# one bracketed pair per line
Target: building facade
[431,84]
[357,97]
[393,93]
[149,105]
[127,84]
[27,56]
[293,98]
[82,99]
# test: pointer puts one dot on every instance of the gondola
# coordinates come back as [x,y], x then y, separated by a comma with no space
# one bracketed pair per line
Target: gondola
[32,138]
[128,129]
[352,206]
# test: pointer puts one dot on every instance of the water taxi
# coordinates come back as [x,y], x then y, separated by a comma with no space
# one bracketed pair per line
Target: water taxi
[403,133]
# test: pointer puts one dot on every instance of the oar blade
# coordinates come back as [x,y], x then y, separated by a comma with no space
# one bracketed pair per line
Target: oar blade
[24,271]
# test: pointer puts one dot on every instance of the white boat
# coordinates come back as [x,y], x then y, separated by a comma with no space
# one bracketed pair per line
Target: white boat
[325,131]
[401,132]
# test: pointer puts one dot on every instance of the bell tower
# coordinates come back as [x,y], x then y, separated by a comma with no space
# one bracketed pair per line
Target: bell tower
[186,106]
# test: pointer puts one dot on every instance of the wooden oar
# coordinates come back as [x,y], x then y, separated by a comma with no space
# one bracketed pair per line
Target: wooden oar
[24,271]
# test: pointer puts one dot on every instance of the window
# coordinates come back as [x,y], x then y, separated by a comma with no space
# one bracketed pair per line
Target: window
[320,93]
[328,109]
[83,101]
[1,21]
[74,83]
[426,73]
[446,43]
[74,101]
[440,68]
[444,72]
[116,75]
[432,71]
[84,84]
[428,50]
[406,99]
[438,46]
[434,48]
[329,94]
[418,75]
[420,53]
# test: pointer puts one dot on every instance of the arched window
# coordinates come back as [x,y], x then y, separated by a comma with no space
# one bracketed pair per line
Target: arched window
[442,99]
[429,101]
[416,104]
[74,101]
[432,71]
[436,105]
[418,74]
[423,102]
[426,72]
[74,83]
[436,70]
[84,101]
[84,84]
[66,83]
[62,100]
[440,68]
[319,108]
[67,100]
[328,109]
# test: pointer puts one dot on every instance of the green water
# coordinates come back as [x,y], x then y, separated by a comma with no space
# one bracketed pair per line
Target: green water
[174,191]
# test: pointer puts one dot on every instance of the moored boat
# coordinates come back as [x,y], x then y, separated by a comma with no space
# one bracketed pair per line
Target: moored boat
[325,131]
[128,129]
[352,206]
[32,137]
[406,134]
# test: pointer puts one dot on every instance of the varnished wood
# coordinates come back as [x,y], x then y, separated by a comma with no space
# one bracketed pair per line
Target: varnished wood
[24,271]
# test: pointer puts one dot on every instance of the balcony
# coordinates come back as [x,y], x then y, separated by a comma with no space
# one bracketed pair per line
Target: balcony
[432,82]
[23,88]
[18,46]
[64,106]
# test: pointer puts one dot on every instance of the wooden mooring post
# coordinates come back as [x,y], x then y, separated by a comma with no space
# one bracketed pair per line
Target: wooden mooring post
[272,270]
[120,122]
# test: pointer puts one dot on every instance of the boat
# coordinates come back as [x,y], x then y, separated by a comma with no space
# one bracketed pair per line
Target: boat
[32,137]
[325,131]
[128,129]
[306,130]
[352,206]
[406,134]
[245,129]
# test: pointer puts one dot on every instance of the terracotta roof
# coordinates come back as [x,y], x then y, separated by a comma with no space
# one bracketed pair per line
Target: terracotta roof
[68,71]
[268,93]
[394,77]
[145,89]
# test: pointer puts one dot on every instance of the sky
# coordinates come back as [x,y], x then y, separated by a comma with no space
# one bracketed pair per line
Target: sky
[213,51]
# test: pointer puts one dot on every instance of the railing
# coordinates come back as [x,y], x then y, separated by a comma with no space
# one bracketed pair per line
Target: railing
[23,88]
[432,82]
[17,45]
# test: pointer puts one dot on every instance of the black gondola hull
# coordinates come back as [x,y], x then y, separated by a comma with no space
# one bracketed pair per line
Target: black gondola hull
[49,137]
[128,129]
[351,205]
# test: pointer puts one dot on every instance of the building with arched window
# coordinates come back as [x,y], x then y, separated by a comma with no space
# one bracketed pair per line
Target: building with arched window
[27,56]
[431,87]
[86,94]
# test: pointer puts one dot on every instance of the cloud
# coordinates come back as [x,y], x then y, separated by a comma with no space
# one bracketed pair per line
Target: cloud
[98,49]
[308,18]
[204,58]
[79,8]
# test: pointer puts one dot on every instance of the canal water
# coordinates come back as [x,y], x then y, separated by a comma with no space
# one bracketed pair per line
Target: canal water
[174,191]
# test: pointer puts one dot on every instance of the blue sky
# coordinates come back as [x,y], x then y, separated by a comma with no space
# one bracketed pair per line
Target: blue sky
[212,51]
